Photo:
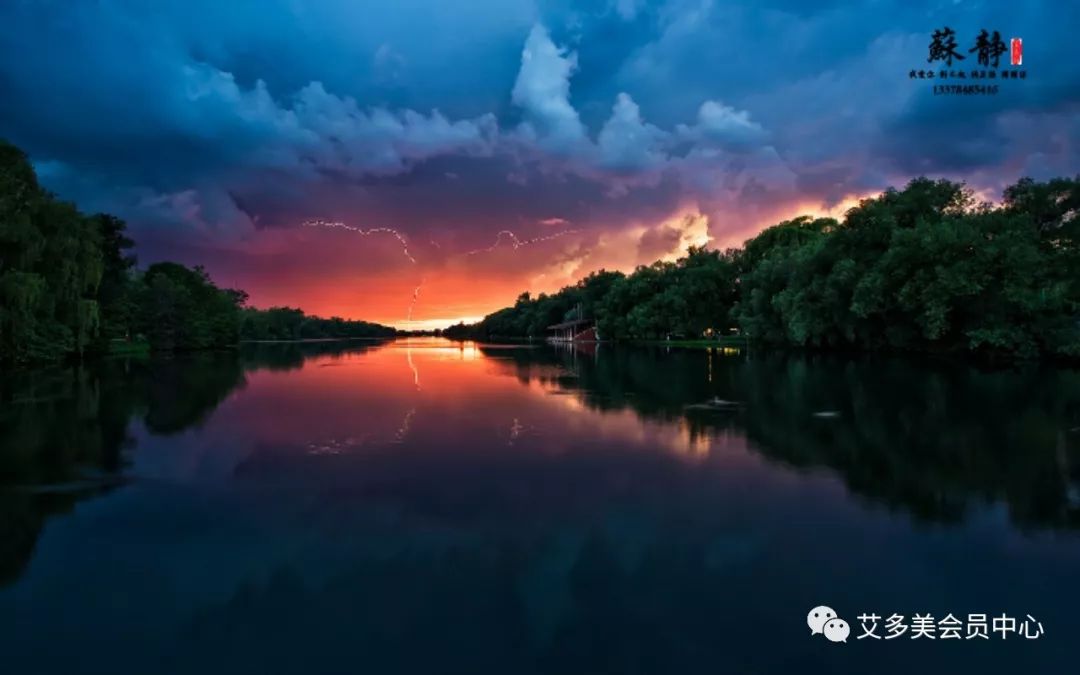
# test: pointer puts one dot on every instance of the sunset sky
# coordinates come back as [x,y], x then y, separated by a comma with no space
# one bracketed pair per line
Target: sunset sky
[501,146]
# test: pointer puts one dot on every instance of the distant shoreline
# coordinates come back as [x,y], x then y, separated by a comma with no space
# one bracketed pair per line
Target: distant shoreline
[326,339]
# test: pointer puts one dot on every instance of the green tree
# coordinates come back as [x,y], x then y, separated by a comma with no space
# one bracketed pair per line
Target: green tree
[180,308]
[115,294]
[50,268]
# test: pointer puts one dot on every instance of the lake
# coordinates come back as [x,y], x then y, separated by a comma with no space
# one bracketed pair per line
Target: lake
[427,506]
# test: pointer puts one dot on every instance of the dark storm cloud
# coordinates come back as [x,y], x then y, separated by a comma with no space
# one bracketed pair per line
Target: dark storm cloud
[1028,119]
[455,120]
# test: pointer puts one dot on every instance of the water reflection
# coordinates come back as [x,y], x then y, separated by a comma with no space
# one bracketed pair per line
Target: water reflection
[928,437]
[454,507]
[66,434]
[931,438]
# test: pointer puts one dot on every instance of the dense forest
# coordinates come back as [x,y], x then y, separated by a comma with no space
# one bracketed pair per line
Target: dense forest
[69,286]
[926,268]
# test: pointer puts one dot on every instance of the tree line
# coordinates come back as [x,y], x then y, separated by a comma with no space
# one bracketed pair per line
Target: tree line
[927,268]
[288,323]
[70,286]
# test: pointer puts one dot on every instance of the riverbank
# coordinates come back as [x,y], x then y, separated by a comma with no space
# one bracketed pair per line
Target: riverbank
[726,341]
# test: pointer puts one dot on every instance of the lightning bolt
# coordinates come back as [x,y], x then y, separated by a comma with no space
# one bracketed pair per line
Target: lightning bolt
[516,241]
[375,230]
[359,230]
[415,295]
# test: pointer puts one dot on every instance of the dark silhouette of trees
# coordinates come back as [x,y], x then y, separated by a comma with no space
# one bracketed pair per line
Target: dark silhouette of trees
[287,323]
[926,269]
[69,286]
[50,268]
[117,306]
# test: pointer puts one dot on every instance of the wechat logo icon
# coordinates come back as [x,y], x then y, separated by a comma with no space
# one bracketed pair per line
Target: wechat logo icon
[824,621]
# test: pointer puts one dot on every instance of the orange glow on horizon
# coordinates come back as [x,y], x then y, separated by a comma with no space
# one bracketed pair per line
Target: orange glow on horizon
[367,278]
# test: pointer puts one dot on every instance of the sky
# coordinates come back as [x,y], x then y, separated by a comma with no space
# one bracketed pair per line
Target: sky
[418,163]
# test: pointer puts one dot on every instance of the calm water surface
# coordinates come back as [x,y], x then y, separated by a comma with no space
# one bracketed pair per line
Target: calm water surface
[436,507]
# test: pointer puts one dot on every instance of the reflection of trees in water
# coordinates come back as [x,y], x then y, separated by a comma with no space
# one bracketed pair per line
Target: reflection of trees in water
[653,382]
[532,606]
[928,437]
[63,431]
[23,514]
[284,356]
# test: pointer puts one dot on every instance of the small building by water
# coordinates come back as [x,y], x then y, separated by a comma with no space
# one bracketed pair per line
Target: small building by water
[575,330]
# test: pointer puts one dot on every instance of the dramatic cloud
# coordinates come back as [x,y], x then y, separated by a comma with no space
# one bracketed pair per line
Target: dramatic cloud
[542,90]
[628,151]
[630,129]
[724,127]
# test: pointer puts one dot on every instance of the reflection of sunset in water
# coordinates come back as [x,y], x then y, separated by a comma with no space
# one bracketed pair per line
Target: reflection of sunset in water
[433,394]
[528,503]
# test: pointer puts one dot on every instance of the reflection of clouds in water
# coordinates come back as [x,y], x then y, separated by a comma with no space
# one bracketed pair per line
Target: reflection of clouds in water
[593,530]
[644,402]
